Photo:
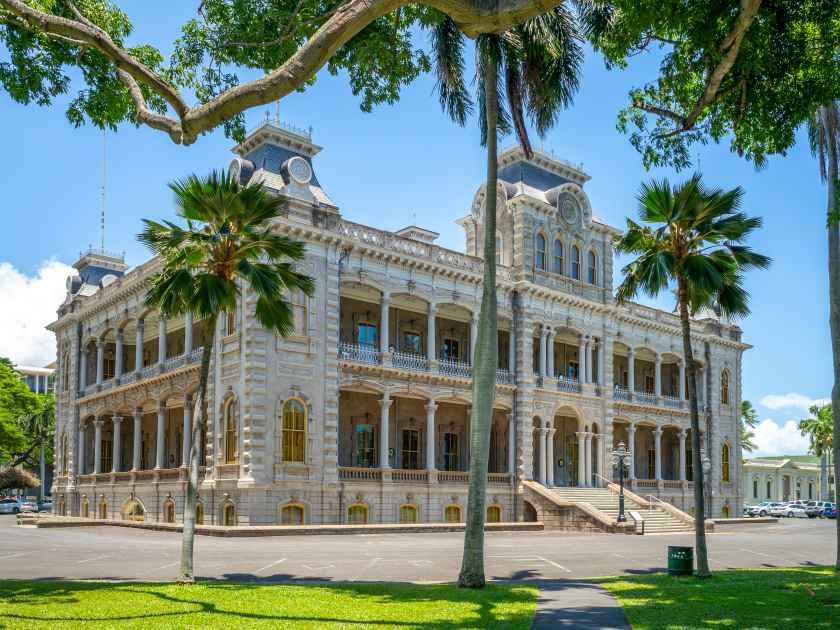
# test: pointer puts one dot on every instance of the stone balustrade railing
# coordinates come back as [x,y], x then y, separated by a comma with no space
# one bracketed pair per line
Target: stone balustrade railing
[127,378]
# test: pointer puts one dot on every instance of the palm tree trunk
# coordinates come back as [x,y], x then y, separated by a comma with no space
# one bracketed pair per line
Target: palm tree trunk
[199,421]
[43,469]
[833,292]
[696,463]
[486,358]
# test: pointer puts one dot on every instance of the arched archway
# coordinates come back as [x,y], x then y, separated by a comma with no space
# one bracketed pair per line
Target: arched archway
[529,512]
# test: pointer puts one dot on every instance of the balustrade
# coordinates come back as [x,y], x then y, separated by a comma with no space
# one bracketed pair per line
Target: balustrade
[127,378]
[504,377]
[410,475]
[568,384]
[672,402]
[410,361]
[621,393]
[646,398]
[450,367]
[359,353]
[359,474]
[453,476]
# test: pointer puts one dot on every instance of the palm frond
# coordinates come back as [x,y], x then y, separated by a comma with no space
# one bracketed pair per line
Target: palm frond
[448,49]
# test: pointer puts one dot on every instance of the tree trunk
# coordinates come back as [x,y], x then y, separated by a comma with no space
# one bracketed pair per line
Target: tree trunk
[696,461]
[833,293]
[199,421]
[708,484]
[43,469]
[484,363]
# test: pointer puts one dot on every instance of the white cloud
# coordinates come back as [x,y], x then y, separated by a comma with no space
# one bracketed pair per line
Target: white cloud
[773,439]
[791,401]
[29,304]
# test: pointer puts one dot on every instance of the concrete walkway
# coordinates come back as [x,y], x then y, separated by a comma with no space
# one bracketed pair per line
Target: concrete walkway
[578,605]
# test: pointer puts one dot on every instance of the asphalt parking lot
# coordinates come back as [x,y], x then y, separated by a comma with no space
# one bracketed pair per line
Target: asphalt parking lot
[130,554]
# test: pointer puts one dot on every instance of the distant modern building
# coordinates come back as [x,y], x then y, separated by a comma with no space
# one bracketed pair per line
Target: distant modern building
[38,379]
[785,478]
[363,414]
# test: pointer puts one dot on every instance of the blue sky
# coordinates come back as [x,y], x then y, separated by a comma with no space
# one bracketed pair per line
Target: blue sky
[403,164]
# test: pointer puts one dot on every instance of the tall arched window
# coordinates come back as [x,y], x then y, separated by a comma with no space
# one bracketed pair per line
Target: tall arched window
[539,253]
[724,387]
[291,514]
[298,302]
[230,432]
[169,511]
[294,431]
[724,463]
[357,514]
[575,262]
[85,508]
[408,514]
[199,513]
[228,515]
[494,514]
[452,514]
[592,271]
[103,509]
[557,262]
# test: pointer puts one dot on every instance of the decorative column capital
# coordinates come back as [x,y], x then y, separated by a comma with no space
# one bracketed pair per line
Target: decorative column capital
[138,412]
[431,407]
[161,405]
[188,399]
[386,297]
[432,309]
[385,401]
[683,434]
[116,419]
[658,431]
[98,422]
[120,334]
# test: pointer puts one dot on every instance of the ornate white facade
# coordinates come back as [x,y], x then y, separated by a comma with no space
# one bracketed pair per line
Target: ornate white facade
[363,414]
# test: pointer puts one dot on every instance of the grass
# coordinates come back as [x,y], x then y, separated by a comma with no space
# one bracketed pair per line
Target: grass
[805,598]
[28,604]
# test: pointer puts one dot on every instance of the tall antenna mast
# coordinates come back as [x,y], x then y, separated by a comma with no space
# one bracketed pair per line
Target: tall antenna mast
[104,175]
[277,111]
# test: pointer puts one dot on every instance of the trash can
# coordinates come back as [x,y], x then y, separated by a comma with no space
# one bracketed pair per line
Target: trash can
[680,560]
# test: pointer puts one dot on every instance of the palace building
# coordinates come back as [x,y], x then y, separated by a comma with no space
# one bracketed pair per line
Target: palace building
[363,414]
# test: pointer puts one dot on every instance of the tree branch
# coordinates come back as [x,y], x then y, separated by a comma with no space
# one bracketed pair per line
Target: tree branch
[147,116]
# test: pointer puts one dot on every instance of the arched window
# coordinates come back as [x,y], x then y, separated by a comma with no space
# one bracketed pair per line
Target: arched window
[294,431]
[452,514]
[408,514]
[229,323]
[592,271]
[769,487]
[724,387]
[199,513]
[291,514]
[357,514]
[297,300]
[557,262]
[724,463]
[230,432]
[103,509]
[539,252]
[169,511]
[65,372]
[85,508]
[575,262]
[228,515]
[494,514]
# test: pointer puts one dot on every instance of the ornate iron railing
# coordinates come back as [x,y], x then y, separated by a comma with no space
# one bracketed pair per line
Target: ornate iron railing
[568,384]
[450,367]
[504,377]
[646,398]
[410,361]
[672,401]
[621,393]
[359,353]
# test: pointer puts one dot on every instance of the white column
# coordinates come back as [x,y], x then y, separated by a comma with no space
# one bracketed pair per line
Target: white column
[631,370]
[116,451]
[431,438]
[631,446]
[581,436]
[682,379]
[543,341]
[511,444]
[431,334]
[135,447]
[80,456]
[657,435]
[83,369]
[549,354]
[582,360]
[543,433]
[384,440]
[588,460]
[118,358]
[161,341]
[384,336]
[589,361]
[682,437]
[550,457]
[160,456]
[100,360]
[657,375]
[601,364]
[97,446]
[511,351]
[188,332]
[138,349]
[188,410]
[473,336]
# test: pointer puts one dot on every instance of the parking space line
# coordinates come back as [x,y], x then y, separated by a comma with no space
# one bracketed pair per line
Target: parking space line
[554,564]
[268,566]
[93,559]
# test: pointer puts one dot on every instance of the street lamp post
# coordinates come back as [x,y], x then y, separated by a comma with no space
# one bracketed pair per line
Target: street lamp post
[619,457]
[706,463]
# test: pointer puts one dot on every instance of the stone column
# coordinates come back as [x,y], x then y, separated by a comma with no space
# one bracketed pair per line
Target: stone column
[117,448]
[549,355]
[431,438]
[80,456]
[511,351]
[83,369]
[160,456]
[657,375]
[657,445]
[543,351]
[631,371]
[188,411]
[161,341]
[581,436]
[631,446]
[682,437]
[431,334]
[682,380]
[138,438]
[588,460]
[97,446]
[511,444]
[118,358]
[100,360]
[384,441]
[543,433]
[601,364]
[188,332]
[589,361]
[582,360]
[473,336]
[138,349]
[384,335]
[550,457]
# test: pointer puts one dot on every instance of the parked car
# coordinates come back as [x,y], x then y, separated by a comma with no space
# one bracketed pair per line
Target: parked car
[797,511]
[830,511]
[762,509]
[28,506]
[10,506]
[777,509]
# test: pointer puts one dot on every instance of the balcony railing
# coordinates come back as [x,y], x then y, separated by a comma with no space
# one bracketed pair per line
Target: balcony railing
[504,377]
[128,378]
[672,401]
[410,475]
[106,385]
[450,367]
[350,473]
[646,398]
[410,361]
[621,393]
[359,353]
[568,384]
[453,476]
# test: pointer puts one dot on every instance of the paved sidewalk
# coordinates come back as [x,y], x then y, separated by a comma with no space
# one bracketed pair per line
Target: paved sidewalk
[578,605]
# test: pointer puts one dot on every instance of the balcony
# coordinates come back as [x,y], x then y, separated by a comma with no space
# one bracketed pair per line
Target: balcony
[672,401]
[645,398]
[359,353]
[128,378]
[410,361]
[571,385]
[621,393]
[504,377]
[450,367]
[397,475]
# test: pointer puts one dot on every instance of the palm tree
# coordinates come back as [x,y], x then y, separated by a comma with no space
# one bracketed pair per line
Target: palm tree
[536,66]
[694,239]
[749,421]
[824,137]
[820,431]
[228,247]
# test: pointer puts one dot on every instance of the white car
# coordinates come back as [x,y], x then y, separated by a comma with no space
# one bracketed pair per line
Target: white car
[778,509]
[796,511]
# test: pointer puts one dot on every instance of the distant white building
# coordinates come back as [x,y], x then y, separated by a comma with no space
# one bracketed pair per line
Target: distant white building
[785,478]
[40,380]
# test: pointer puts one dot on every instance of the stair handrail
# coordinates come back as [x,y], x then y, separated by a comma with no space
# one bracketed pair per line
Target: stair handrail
[602,478]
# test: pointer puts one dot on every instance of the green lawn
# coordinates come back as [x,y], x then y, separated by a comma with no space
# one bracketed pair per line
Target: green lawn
[792,599]
[25,604]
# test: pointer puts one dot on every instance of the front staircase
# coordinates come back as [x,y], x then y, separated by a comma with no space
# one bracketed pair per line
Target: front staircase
[657,520]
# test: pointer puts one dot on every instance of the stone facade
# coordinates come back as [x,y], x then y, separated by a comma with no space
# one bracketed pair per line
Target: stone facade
[363,413]
[786,479]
